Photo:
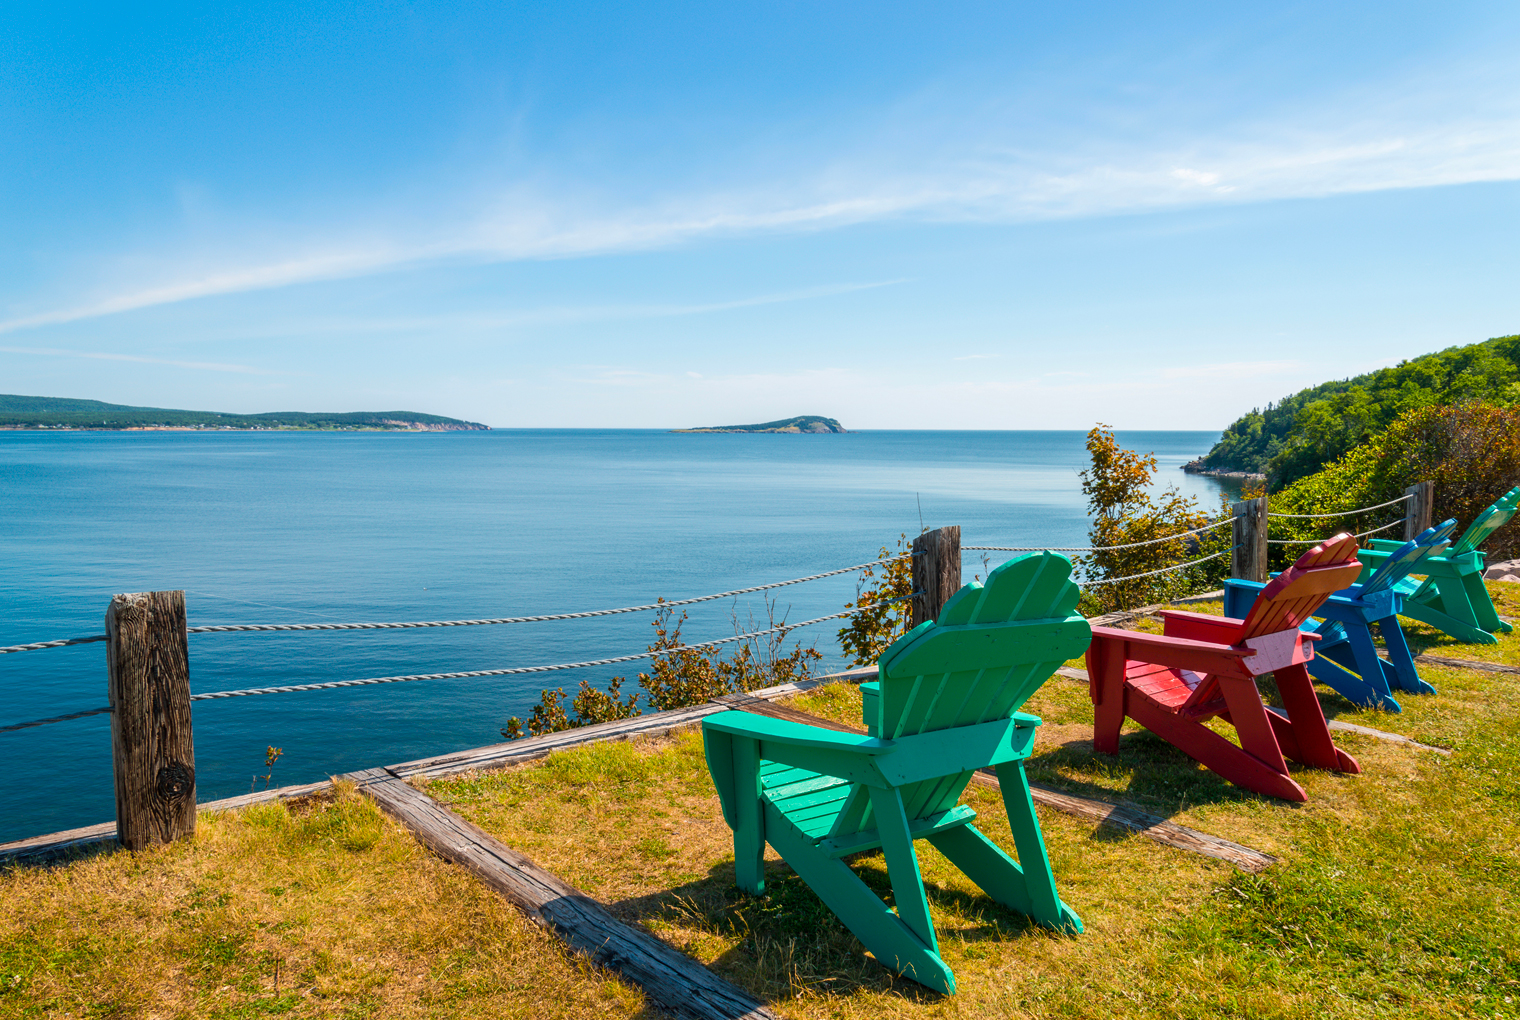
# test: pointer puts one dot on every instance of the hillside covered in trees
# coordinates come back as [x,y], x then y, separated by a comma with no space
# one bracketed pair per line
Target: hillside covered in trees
[23,412]
[1300,434]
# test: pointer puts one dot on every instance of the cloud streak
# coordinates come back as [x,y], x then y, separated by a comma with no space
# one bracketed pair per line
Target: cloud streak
[974,176]
[206,366]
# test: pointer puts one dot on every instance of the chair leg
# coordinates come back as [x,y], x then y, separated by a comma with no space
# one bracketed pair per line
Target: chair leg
[902,864]
[1039,881]
[1232,763]
[1482,604]
[1105,680]
[994,872]
[1374,671]
[749,828]
[881,931]
[1307,721]
[1405,676]
[1249,717]
[1328,670]
[1438,612]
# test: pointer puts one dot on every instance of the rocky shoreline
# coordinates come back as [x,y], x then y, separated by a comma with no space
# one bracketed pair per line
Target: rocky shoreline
[1195,467]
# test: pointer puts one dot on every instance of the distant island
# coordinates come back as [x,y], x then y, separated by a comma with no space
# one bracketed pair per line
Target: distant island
[19,412]
[802,423]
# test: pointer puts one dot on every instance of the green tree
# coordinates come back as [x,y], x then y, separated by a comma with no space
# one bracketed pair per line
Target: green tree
[1124,512]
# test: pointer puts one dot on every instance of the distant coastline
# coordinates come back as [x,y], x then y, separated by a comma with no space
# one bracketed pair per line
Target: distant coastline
[65,414]
[811,424]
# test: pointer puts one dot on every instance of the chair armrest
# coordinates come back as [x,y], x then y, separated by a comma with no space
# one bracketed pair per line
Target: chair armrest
[764,727]
[1185,653]
[1179,623]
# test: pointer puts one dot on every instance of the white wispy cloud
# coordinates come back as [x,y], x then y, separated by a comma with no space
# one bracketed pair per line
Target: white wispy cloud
[206,366]
[976,173]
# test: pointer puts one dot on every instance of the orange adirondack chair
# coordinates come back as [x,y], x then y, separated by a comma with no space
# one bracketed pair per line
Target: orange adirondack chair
[1206,667]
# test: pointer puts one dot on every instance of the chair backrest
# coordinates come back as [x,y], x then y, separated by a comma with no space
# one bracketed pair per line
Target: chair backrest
[1404,560]
[1291,597]
[991,648]
[1488,522]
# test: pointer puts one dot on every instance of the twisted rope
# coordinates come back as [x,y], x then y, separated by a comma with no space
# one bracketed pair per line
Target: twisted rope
[1163,570]
[1312,541]
[233,628]
[53,644]
[1095,548]
[467,674]
[56,718]
[1345,513]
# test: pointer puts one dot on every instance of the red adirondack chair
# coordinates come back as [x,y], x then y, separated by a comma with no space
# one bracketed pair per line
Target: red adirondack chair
[1206,667]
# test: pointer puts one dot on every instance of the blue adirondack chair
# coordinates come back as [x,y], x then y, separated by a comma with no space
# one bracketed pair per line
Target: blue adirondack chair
[1453,598]
[1345,657]
[945,704]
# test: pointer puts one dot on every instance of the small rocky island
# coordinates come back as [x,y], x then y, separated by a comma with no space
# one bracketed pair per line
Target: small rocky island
[810,423]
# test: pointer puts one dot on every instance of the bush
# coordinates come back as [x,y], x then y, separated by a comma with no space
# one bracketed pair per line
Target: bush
[871,631]
[1117,487]
[1470,451]
[678,676]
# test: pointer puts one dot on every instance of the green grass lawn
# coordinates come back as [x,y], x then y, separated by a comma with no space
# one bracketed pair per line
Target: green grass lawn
[1396,894]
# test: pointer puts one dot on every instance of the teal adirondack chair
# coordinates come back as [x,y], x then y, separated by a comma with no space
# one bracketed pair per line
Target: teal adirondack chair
[945,704]
[1452,598]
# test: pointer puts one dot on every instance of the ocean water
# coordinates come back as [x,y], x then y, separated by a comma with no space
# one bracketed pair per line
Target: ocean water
[277,527]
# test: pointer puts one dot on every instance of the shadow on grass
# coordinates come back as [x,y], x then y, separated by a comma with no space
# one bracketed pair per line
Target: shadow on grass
[788,942]
[60,854]
[1147,772]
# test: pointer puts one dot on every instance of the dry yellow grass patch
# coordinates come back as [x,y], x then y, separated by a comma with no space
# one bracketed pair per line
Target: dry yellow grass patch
[355,916]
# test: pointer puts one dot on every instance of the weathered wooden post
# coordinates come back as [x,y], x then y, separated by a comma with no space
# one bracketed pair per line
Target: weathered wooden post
[148,656]
[936,571]
[1420,510]
[1249,559]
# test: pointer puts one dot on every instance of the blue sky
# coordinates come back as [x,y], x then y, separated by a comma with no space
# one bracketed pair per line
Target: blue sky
[905,216]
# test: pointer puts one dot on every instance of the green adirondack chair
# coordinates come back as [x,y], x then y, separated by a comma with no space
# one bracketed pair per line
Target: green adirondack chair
[1452,598]
[945,704]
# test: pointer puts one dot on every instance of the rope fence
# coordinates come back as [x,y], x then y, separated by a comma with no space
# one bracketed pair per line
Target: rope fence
[237,628]
[1163,570]
[1096,548]
[657,605]
[1347,513]
[470,674]
[1312,541]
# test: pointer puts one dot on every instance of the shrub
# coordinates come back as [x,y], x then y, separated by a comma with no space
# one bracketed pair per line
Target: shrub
[1470,451]
[678,676]
[1117,487]
[870,631]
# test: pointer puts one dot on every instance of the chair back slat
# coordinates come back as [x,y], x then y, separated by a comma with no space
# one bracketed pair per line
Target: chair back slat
[1488,522]
[1402,561]
[1291,597]
[985,654]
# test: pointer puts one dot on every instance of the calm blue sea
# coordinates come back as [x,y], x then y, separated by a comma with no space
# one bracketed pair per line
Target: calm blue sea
[288,527]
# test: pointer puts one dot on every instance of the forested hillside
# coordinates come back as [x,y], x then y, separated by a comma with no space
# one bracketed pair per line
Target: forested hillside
[23,412]
[1300,434]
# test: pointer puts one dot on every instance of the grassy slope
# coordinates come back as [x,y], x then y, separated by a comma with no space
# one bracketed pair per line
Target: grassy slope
[1397,894]
[360,920]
